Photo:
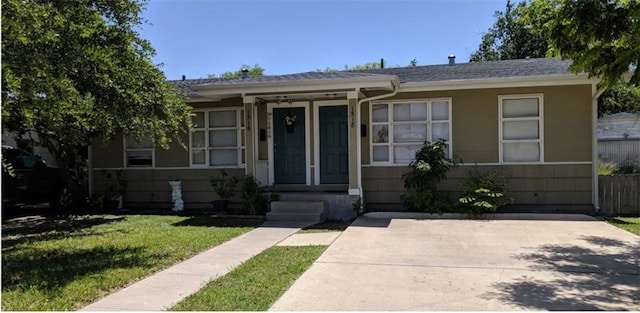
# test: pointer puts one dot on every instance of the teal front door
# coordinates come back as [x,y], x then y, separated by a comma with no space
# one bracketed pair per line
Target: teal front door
[289,146]
[334,145]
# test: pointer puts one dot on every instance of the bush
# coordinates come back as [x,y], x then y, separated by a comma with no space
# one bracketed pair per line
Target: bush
[483,192]
[628,169]
[224,185]
[606,168]
[427,170]
[255,198]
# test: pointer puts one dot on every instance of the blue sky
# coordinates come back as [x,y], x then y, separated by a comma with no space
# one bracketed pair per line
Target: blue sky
[199,37]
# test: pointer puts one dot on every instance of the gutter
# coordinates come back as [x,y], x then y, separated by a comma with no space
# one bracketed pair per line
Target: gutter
[396,85]
[594,145]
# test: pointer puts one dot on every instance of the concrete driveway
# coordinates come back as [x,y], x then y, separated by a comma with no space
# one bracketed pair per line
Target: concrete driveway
[512,262]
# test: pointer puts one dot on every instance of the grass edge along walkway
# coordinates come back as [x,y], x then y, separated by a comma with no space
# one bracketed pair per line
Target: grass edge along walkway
[256,284]
[630,224]
[59,265]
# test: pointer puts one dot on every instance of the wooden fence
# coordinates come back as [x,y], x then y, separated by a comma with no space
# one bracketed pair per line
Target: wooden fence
[620,195]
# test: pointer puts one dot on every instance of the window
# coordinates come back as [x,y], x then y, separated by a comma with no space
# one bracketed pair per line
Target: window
[139,154]
[218,138]
[521,130]
[400,128]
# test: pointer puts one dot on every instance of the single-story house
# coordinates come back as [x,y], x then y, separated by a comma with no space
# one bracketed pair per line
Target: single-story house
[619,138]
[354,132]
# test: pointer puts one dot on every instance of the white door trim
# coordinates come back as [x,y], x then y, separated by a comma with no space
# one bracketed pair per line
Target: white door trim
[316,132]
[271,119]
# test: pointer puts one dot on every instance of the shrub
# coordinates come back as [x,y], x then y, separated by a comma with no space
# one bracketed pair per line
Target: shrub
[255,198]
[628,169]
[427,170]
[224,185]
[483,192]
[606,168]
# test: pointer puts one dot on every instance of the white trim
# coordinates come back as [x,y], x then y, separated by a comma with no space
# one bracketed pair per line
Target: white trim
[503,82]
[240,119]
[492,164]
[354,191]
[540,120]
[316,132]
[595,195]
[307,136]
[429,122]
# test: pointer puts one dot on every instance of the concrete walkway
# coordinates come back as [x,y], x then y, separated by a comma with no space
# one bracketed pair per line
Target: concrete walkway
[405,262]
[166,288]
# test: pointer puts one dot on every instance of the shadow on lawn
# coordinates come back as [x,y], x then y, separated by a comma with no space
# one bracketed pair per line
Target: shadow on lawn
[40,228]
[208,221]
[51,269]
[603,275]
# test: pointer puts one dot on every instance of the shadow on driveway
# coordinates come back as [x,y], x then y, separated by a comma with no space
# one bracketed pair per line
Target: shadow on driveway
[599,278]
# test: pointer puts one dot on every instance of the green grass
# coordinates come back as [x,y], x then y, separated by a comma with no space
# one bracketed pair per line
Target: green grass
[256,284]
[65,264]
[327,227]
[630,224]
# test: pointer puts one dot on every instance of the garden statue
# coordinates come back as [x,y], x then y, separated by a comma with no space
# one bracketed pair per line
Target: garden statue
[176,195]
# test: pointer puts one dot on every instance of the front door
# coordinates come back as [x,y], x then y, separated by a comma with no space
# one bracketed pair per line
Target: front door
[334,145]
[289,154]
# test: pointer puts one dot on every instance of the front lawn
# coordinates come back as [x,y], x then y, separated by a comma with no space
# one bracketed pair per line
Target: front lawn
[65,264]
[256,284]
[630,224]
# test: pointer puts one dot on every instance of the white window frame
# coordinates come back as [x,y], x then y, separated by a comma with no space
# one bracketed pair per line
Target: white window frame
[240,132]
[390,123]
[539,118]
[127,149]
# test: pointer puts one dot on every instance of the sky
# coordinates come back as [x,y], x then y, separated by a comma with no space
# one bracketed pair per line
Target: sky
[200,37]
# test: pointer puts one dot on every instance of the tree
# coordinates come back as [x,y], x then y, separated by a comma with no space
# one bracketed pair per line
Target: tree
[601,37]
[509,38]
[255,71]
[73,70]
[620,98]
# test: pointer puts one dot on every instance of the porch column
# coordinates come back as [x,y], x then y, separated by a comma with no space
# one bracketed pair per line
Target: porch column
[355,182]
[248,118]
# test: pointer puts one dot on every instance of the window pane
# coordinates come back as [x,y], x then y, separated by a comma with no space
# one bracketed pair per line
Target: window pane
[222,119]
[197,139]
[520,107]
[410,112]
[242,139]
[243,156]
[515,130]
[521,151]
[223,138]
[198,120]
[380,153]
[198,157]
[144,143]
[404,154]
[440,110]
[242,118]
[223,157]
[380,133]
[139,158]
[380,112]
[410,133]
[439,131]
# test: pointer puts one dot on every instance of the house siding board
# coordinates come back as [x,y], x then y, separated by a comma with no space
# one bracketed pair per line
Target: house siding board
[152,185]
[175,156]
[530,184]
[110,155]
[567,122]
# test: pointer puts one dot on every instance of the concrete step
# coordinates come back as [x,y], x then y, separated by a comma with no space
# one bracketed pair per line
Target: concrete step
[306,217]
[297,207]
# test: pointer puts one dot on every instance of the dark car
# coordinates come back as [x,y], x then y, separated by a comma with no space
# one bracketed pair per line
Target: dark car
[33,181]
